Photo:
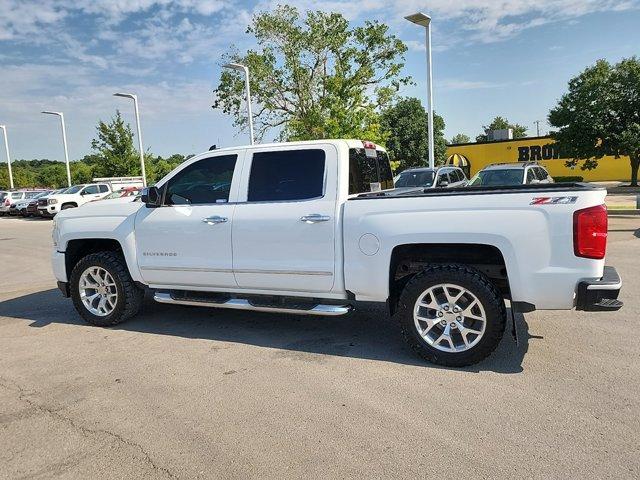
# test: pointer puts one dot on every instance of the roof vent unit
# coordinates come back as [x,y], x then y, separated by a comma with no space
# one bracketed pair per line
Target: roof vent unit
[502,134]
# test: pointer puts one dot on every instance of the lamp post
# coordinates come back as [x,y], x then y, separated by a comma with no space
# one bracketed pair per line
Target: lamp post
[135,107]
[425,21]
[245,69]
[6,148]
[64,142]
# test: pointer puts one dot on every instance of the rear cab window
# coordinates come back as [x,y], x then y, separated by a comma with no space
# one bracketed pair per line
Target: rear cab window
[369,173]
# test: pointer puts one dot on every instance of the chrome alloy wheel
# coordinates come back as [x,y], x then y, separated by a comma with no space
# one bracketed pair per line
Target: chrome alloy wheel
[449,318]
[98,291]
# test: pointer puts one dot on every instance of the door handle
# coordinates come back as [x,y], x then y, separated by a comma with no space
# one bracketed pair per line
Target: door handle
[315,218]
[214,220]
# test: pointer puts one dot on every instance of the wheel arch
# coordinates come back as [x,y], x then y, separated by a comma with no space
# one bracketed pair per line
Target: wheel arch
[409,259]
[77,249]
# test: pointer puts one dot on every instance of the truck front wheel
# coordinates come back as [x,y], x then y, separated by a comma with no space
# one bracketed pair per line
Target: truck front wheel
[103,291]
[451,315]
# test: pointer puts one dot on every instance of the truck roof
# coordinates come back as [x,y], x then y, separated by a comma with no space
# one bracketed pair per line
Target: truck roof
[351,143]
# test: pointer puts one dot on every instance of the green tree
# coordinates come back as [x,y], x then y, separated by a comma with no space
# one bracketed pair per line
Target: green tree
[600,115]
[54,175]
[81,172]
[500,123]
[405,126]
[459,138]
[315,77]
[117,156]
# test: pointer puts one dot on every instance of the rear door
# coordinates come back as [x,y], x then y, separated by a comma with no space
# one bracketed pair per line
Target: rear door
[284,227]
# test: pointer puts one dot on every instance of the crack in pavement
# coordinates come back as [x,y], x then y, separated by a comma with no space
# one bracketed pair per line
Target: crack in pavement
[86,431]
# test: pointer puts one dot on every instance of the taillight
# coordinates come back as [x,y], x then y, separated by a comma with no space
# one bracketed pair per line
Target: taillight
[590,232]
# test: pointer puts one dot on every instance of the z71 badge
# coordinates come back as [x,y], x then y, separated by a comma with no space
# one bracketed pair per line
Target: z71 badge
[553,200]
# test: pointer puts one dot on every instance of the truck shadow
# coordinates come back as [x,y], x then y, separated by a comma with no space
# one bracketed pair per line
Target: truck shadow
[368,333]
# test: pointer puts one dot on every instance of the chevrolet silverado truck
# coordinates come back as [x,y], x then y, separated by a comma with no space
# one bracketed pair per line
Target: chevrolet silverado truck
[316,228]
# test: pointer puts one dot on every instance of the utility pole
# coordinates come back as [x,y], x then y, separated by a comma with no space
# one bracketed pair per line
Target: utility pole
[537,122]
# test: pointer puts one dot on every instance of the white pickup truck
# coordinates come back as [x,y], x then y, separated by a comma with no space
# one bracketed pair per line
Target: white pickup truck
[78,195]
[316,227]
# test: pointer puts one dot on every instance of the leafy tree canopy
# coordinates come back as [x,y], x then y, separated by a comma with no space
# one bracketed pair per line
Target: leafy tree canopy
[500,123]
[600,115]
[116,155]
[314,77]
[460,138]
[406,127]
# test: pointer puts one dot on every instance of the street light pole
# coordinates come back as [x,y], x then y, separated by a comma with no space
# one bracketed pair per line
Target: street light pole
[137,112]
[425,21]
[64,142]
[6,148]
[245,70]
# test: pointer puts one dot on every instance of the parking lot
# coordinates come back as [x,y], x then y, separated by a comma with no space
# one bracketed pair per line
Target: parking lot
[203,393]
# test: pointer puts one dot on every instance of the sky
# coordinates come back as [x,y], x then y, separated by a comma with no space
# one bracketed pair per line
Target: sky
[490,57]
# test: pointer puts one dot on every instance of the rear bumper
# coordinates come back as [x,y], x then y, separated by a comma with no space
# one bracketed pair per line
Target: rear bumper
[601,294]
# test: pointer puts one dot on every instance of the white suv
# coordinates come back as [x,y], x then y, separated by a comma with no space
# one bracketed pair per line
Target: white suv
[507,174]
[74,197]
[423,177]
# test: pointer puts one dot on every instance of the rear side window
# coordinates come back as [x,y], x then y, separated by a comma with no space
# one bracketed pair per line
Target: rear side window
[203,182]
[367,174]
[286,175]
[16,195]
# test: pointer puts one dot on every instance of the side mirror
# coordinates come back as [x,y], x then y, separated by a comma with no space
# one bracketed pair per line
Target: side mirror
[443,183]
[151,197]
[83,192]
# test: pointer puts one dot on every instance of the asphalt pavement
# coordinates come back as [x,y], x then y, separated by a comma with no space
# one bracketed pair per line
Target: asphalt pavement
[203,393]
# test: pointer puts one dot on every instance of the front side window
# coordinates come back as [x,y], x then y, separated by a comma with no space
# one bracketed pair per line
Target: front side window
[16,195]
[103,188]
[530,176]
[90,190]
[203,182]
[443,177]
[286,175]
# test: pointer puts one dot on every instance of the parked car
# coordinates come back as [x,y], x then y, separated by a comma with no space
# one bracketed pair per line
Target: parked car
[23,206]
[503,174]
[312,232]
[42,201]
[73,197]
[13,198]
[3,195]
[421,178]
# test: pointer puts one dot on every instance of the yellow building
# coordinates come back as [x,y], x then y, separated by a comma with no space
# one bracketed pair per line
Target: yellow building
[472,157]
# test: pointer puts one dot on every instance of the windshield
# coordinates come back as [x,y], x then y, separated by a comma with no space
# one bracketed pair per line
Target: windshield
[41,194]
[504,177]
[418,178]
[74,189]
[3,195]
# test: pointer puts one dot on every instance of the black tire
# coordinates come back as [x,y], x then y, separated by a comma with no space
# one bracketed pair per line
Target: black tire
[476,283]
[130,296]
[66,206]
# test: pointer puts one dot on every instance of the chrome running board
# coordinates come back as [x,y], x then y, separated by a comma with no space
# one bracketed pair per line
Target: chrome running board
[243,304]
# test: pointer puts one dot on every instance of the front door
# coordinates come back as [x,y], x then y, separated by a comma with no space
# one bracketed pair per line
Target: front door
[284,226]
[187,241]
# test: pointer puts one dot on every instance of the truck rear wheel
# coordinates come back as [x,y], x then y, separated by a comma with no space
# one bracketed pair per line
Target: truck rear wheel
[451,315]
[103,291]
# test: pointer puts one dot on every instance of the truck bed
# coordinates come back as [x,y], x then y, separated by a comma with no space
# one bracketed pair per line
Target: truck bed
[482,190]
